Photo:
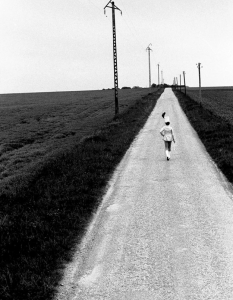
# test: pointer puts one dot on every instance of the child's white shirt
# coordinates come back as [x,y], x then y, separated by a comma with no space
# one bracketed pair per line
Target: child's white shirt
[167,132]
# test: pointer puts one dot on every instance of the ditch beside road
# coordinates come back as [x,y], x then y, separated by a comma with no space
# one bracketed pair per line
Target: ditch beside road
[164,229]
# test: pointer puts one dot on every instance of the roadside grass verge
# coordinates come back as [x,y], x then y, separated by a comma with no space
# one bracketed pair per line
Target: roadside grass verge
[43,216]
[215,132]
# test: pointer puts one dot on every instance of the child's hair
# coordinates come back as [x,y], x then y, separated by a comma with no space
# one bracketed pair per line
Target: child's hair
[167,123]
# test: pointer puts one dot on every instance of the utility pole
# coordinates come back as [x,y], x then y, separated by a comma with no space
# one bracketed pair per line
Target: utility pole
[158,74]
[180,82]
[113,7]
[174,82]
[184,82]
[161,77]
[199,72]
[149,49]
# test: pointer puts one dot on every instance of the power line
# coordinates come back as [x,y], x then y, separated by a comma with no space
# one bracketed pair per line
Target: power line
[93,3]
[134,32]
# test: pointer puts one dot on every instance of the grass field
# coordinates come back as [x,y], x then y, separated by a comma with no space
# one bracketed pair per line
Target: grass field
[220,101]
[212,120]
[43,215]
[33,126]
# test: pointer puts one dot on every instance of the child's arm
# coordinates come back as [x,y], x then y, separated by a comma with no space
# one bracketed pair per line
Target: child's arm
[173,137]
[161,132]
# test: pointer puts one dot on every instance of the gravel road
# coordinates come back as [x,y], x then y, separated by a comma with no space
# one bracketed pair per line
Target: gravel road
[164,229]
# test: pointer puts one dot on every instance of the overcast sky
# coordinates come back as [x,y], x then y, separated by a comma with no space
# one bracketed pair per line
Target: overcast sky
[66,45]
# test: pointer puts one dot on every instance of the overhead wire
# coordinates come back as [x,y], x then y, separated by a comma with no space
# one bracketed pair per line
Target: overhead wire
[98,7]
[133,32]
[130,27]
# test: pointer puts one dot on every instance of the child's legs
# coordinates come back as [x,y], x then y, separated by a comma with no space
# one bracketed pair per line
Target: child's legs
[169,146]
[166,145]
[166,148]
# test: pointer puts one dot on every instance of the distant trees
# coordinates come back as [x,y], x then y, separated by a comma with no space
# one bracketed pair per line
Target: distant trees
[134,87]
[155,85]
[166,85]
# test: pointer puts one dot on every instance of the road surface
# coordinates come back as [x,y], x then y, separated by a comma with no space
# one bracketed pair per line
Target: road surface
[164,229]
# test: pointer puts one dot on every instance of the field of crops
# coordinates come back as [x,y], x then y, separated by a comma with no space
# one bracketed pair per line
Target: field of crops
[35,125]
[220,101]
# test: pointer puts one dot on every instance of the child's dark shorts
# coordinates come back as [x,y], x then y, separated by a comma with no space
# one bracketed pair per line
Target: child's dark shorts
[168,145]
